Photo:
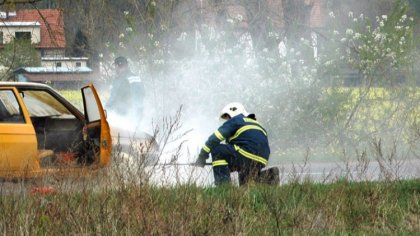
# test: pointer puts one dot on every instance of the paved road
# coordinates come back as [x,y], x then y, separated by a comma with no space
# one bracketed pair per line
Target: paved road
[172,175]
[316,171]
[354,171]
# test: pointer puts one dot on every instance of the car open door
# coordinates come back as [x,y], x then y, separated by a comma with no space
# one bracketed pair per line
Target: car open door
[97,131]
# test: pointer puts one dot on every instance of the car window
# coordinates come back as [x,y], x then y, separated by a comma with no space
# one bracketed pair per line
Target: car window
[41,104]
[10,111]
[92,109]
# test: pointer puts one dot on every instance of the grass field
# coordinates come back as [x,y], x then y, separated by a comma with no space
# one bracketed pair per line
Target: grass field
[341,208]
[73,96]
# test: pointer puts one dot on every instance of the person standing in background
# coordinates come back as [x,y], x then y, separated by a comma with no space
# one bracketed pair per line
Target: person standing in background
[127,93]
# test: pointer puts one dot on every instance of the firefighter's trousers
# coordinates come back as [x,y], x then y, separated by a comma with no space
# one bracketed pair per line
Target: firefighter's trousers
[226,160]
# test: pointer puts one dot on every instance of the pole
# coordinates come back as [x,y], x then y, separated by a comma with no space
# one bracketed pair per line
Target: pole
[180,164]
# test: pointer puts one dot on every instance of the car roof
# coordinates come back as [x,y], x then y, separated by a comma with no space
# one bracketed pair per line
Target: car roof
[23,84]
[36,86]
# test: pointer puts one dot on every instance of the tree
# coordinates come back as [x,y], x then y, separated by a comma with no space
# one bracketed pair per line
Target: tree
[18,53]
[199,44]
[80,45]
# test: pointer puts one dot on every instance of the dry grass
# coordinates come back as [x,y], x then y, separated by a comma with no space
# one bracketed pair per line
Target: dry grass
[125,199]
[295,208]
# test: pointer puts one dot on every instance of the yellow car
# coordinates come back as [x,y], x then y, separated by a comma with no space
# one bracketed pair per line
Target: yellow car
[42,133]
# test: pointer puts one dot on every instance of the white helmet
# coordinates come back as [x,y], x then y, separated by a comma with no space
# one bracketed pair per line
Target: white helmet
[233,109]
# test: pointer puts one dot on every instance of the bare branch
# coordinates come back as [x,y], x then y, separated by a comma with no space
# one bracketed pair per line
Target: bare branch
[13,2]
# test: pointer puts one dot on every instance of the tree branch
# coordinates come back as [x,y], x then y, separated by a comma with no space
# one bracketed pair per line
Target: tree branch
[3,2]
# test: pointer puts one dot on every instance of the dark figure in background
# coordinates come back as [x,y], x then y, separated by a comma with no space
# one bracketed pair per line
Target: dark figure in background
[246,149]
[127,92]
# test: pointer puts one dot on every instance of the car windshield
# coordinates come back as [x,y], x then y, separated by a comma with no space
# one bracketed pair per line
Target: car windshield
[41,103]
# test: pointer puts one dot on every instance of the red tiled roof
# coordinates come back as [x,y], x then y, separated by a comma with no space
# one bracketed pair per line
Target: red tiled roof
[52,25]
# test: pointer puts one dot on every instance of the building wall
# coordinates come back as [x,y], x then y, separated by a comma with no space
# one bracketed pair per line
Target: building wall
[9,33]
[64,63]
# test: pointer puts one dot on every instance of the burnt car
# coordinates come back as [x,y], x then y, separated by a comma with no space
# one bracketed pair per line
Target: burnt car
[42,133]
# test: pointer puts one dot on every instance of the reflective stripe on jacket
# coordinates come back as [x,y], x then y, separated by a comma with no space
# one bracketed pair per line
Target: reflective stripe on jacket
[247,136]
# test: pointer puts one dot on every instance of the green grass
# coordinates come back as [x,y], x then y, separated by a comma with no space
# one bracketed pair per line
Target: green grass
[296,208]
[73,96]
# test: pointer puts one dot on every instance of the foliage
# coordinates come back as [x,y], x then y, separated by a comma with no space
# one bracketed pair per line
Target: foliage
[19,53]
[298,95]
[294,88]
[383,106]
[379,50]
[80,47]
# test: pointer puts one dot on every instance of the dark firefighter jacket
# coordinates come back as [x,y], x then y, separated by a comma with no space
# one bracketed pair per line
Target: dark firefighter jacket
[127,93]
[246,135]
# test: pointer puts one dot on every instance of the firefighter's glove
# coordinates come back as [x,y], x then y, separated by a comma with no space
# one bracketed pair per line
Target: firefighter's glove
[201,160]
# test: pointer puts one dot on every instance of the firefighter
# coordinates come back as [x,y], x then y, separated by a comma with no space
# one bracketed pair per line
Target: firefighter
[245,148]
[127,92]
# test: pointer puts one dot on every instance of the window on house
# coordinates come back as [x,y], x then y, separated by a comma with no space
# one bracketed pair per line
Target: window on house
[23,35]
[1,38]
[58,64]
[78,64]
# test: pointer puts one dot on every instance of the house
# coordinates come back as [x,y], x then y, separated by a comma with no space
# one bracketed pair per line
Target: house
[59,78]
[66,62]
[45,29]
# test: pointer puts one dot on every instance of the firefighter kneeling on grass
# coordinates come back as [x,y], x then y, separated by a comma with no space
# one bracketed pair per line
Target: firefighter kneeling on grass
[246,149]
